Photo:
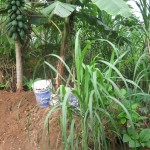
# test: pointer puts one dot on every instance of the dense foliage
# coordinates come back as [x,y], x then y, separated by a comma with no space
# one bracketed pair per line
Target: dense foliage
[107,66]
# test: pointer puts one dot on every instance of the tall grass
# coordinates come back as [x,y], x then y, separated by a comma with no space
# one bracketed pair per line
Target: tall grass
[97,91]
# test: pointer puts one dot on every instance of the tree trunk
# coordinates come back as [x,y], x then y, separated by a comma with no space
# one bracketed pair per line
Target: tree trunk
[19,71]
[60,66]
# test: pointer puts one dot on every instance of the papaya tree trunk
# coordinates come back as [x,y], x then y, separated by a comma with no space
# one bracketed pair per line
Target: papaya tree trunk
[19,71]
[60,65]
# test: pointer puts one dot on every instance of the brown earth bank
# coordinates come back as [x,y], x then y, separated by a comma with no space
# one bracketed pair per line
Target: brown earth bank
[21,123]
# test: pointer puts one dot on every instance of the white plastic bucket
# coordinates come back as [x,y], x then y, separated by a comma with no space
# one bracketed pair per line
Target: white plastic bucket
[42,91]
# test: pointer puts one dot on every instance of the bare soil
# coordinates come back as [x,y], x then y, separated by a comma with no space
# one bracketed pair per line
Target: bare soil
[21,123]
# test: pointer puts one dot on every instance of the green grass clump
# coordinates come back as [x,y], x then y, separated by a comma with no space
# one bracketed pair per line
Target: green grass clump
[102,100]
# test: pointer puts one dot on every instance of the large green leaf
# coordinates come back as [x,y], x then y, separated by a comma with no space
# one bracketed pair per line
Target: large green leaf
[113,7]
[59,8]
[145,135]
[103,28]
[38,20]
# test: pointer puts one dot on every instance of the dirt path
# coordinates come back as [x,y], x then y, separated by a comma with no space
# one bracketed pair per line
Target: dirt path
[21,123]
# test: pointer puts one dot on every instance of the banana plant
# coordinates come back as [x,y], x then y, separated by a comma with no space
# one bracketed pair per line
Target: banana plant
[112,7]
[65,9]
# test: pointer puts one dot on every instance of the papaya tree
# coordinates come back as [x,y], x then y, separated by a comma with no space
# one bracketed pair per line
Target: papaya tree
[16,27]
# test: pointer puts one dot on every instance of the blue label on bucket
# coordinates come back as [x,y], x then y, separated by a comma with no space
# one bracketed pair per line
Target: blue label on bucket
[43,98]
